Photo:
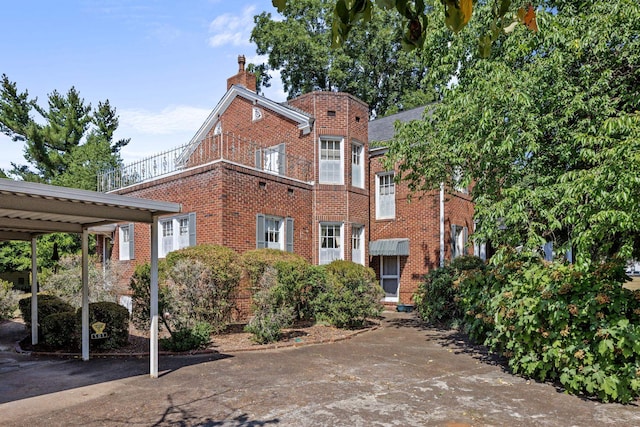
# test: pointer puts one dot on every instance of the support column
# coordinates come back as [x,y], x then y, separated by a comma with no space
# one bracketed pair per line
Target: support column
[153,304]
[34,293]
[441,224]
[85,294]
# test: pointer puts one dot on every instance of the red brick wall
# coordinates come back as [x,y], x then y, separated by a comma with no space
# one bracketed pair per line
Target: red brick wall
[419,221]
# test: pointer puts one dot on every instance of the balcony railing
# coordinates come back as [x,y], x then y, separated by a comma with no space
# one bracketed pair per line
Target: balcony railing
[227,146]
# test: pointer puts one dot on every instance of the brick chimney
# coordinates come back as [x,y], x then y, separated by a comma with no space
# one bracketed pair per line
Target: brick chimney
[243,78]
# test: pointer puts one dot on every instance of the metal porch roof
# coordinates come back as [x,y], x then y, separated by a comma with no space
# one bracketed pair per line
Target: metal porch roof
[29,209]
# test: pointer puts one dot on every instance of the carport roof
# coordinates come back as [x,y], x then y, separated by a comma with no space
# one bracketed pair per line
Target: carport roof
[29,209]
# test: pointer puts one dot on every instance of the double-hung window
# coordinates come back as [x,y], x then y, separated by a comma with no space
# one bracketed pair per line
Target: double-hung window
[459,236]
[274,232]
[357,244]
[125,242]
[331,161]
[272,159]
[357,165]
[176,233]
[331,247]
[385,196]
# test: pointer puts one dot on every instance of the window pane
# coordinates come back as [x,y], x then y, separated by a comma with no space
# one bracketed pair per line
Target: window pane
[330,161]
[389,266]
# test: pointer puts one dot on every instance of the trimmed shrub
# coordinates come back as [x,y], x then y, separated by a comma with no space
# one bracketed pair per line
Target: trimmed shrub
[187,339]
[350,295]
[553,321]
[271,310]
[206,280]
[61,330]
[297,285]
[47,305]
[8,300]
[116,319]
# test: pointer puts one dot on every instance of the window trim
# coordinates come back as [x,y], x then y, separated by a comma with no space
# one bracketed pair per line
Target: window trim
[360,166]
[361,239]
[340,141]
[128,253]
[286,232]
[176,232]
[464,233]
[379,176]
[340,242]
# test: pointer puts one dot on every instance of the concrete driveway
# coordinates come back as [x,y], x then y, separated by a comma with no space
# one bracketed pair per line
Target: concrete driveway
[399,375]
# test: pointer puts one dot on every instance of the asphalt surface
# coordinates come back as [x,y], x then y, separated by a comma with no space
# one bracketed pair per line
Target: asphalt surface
[401,374]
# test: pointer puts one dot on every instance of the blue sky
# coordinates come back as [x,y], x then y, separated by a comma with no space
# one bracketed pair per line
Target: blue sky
[162,64]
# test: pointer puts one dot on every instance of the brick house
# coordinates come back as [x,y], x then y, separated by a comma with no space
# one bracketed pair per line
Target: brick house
[297,176]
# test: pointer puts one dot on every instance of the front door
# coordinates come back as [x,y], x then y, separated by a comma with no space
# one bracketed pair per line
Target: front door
[390,277]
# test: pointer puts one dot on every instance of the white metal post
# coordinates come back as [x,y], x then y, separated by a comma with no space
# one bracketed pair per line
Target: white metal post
[442,224]
[153,307]
[85,294]
[34,293]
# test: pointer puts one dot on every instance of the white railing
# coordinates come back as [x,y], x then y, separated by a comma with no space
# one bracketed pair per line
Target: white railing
[226,146]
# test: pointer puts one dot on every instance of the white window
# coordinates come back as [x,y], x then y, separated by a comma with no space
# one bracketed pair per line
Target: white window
[385,196]
[126,242]
[176,233]
[357,166]
[274,232]
[331,161]
[457,181]
[331,243]
[390,277]
[459,236]
[357,245]
[271,159]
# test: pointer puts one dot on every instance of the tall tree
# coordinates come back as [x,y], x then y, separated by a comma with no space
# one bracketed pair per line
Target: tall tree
[547,130]
[371,64]
[63,139]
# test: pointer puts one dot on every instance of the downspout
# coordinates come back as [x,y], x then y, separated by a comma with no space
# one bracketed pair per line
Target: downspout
[442,224]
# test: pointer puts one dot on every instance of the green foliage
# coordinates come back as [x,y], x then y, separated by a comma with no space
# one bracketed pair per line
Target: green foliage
[370,65]
[67,281]
[437,297]
[555,322]
[551,159]
[256,261]
[205,284]
[271,312]
[61,330]
[8,300]
[186,339]
[116,318]
[140,285]
[298,284]
[69,140]
[47,305]
[349,297]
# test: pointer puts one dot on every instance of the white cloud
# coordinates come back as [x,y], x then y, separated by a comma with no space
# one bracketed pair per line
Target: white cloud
[231,29]
[174,119]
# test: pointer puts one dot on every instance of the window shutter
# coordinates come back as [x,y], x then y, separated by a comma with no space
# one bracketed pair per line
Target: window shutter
[282,161]
[192,229]
[289,232]
[259,158]
[131,242]
[260,243]
[465,236]
[453,242]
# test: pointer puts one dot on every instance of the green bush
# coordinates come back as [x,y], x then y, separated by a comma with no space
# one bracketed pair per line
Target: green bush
[436,298]
[349,296]
[116,319]
[271,310]
[47,305]
[8,300]
[186,339]
[297,285]
[205,279]
[255,262]
[140,285]
[61,330]
[554,322]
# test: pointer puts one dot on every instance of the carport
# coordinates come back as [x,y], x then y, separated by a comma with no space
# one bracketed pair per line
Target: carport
[28,210]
